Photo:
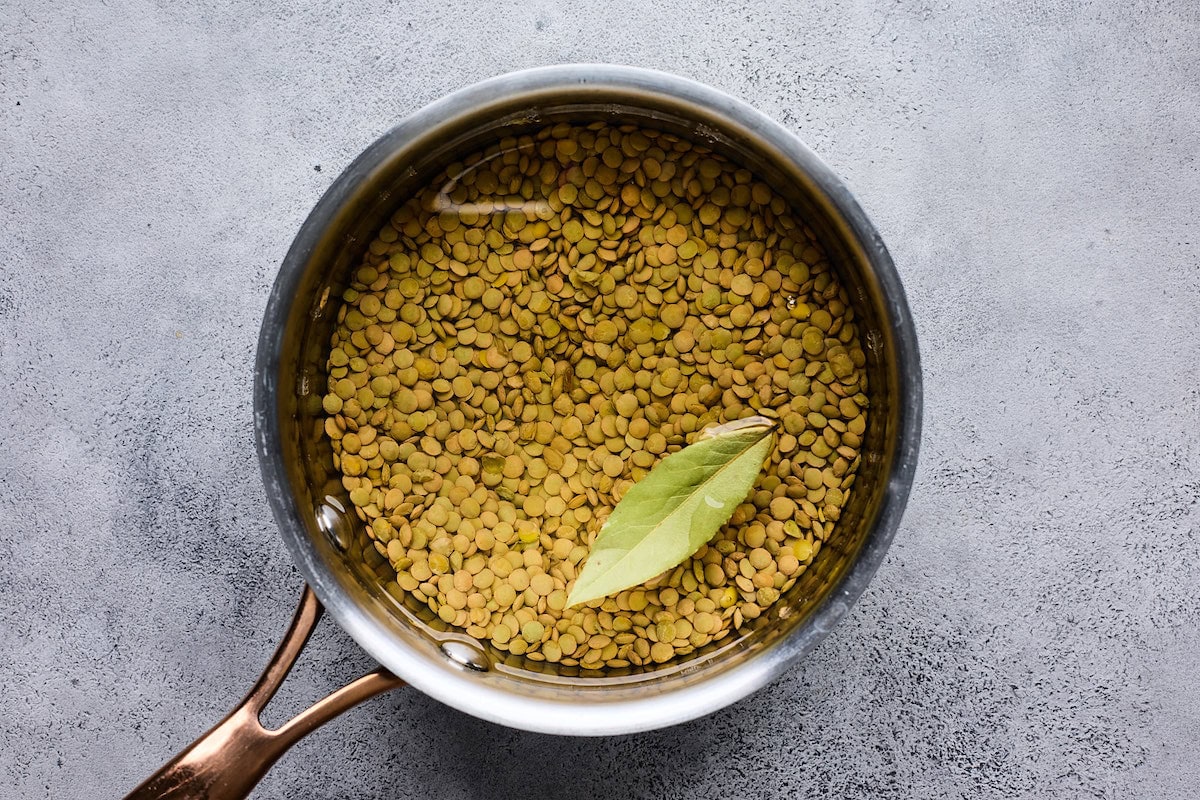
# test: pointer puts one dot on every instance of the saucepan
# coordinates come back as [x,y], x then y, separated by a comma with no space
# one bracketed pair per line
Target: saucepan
[344,574]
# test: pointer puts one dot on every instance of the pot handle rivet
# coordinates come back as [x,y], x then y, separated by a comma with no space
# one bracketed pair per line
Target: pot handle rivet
[467,655]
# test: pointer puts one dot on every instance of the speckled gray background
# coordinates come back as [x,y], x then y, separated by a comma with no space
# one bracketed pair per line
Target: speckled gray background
[1033,167]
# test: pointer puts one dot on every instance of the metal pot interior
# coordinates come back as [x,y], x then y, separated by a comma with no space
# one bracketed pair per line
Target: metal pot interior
[329,542]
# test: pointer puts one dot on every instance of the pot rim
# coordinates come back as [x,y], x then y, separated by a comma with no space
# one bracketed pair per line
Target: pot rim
[657,709]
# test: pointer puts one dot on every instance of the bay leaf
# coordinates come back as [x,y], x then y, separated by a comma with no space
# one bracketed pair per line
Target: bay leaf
[679,506]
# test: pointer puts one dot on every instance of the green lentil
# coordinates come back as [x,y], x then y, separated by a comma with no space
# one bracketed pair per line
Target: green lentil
[584,301]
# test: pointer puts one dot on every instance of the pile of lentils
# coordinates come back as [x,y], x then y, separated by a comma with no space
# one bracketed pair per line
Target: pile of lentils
[537,329]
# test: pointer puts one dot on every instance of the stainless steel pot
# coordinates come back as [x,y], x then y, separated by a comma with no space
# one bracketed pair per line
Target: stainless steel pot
[337,559]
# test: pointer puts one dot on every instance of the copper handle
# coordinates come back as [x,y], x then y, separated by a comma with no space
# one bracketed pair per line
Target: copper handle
[228,762]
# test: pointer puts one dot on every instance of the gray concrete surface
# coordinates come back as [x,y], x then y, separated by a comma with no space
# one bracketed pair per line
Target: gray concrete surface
[1033,167]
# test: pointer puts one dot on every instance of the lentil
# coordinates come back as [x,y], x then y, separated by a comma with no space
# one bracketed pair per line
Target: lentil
[529,335]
